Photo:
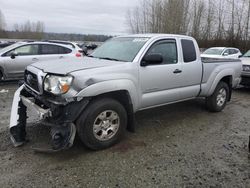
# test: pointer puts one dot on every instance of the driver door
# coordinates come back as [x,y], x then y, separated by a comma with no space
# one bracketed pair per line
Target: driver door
[160,83]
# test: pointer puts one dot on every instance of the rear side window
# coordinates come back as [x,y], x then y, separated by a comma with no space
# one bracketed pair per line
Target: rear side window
[53,49]
[188,49]
[233,51]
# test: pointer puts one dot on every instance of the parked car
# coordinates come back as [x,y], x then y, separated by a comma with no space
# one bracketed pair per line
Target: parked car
[84,48]
[222,52]
[71,44]
[245,77]
[5,44]
[98,95]
[92,46]
[15,58]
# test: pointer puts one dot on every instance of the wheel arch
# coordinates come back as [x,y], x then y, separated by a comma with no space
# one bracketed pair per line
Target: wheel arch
[229,81]
[124,98]
[225,76]
[112,86]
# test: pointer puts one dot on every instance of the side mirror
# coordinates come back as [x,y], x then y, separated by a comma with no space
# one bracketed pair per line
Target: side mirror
[225,54]
[152,59]
[240,56]
[13,55]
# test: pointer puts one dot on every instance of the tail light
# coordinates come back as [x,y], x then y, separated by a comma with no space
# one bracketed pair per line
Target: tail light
[78,54]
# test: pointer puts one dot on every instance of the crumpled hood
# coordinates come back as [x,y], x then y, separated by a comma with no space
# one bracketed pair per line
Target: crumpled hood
[245,60]
[68,65]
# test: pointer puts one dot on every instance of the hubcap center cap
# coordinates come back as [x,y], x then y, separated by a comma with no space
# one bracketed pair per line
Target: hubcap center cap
[106,124]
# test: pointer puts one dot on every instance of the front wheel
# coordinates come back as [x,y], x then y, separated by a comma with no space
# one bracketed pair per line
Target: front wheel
[218,101]
[102,124]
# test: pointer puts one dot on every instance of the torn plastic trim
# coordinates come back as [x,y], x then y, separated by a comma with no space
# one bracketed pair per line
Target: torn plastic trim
[63,129]
[62,138]
[14,110]
[18,118]
[42,113]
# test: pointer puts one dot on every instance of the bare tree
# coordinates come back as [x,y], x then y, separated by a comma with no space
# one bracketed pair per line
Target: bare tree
[30,30]
[198,11]
[2,21]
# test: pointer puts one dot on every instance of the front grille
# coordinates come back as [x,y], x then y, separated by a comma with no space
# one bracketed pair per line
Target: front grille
[31,80]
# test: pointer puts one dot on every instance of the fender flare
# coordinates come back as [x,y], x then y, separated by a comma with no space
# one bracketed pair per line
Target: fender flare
[112,86]
[218,78]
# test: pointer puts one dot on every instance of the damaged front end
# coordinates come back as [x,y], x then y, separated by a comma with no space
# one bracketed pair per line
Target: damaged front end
[57,113]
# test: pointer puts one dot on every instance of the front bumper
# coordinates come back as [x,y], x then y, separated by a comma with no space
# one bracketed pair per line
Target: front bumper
[58,114]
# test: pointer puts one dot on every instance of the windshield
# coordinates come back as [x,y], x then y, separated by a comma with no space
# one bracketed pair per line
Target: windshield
[213,51]
[247,54]
[120,49]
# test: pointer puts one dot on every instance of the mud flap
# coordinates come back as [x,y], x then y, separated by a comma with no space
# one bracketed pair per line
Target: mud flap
[18,119]
[62,138]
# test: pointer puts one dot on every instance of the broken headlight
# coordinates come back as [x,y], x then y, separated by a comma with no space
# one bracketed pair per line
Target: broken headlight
[57,84]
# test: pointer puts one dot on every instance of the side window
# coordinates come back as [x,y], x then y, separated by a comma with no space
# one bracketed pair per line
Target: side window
[49,49]
[65,50]
[166,48]
[24,50]
[53,49]
[188,49]
[233,51]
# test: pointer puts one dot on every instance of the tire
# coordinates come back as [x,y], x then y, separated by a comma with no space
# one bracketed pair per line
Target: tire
[102,124]
[218,100]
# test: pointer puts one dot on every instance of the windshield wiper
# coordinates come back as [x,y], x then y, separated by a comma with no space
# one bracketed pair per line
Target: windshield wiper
[111,59]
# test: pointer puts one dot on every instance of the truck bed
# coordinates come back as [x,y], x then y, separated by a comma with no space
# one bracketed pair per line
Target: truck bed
[213,67]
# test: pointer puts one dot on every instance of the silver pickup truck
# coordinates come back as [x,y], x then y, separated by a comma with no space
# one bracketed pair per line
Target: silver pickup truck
[98,96]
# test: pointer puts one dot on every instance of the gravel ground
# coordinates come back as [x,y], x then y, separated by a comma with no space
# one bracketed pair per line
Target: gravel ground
[180,145]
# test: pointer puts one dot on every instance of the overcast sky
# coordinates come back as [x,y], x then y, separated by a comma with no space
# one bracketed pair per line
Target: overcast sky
[70,16]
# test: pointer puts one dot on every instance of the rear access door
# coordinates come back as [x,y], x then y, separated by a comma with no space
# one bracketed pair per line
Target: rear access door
[191,69]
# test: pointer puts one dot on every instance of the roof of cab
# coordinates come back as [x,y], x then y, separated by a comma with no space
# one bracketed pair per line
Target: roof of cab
[156,35]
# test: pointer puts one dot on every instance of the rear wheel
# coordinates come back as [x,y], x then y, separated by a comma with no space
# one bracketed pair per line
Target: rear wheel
[218,100]
[102,124]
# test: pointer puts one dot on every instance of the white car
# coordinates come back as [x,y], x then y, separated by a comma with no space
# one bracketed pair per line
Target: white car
[222,52]
[15,58]
[245,76]
[74,45]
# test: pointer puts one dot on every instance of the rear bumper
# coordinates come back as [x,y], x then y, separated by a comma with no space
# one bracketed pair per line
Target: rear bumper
[245,80]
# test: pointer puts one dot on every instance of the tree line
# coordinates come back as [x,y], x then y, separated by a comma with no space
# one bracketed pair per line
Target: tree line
[211,22]
[36,31]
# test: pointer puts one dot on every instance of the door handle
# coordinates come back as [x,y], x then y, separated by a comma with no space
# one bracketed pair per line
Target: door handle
[61,57]
[177,71]
[34,59]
